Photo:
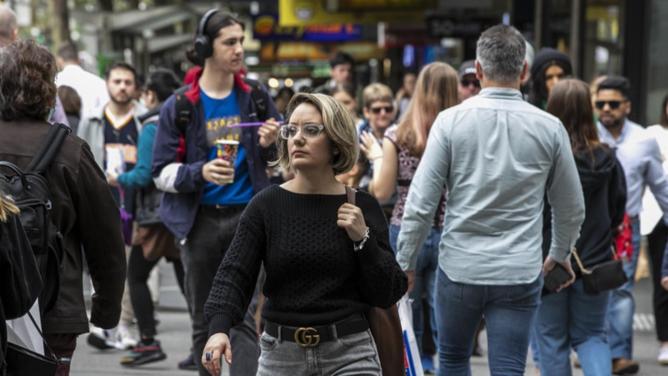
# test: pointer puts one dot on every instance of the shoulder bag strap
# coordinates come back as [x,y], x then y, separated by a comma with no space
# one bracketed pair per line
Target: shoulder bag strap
[46,345]
[579,262]
[350,192]
[49,148]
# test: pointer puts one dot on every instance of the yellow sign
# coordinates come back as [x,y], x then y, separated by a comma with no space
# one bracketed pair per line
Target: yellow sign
[303,13]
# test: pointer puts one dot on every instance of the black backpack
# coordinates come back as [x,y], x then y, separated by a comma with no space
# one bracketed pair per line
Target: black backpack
[30,191]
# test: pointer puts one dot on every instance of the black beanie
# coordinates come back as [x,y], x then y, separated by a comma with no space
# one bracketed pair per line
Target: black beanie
[549,56]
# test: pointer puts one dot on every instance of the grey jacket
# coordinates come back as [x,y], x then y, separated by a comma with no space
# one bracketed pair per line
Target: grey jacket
[91,130]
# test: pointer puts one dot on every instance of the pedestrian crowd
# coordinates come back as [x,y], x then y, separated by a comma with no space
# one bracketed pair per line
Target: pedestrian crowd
[505,194]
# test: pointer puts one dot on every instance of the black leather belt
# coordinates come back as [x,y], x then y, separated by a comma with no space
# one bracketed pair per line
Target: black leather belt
[311,336]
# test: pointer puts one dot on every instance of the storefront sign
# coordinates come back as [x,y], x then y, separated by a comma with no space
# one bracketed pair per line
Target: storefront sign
[267,28]
[303,13]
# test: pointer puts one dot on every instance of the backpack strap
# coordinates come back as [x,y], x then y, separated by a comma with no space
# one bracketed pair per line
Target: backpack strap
[49,149]
[184,109]
[258,97]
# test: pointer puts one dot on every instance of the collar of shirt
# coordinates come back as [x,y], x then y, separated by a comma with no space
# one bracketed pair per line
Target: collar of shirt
[500,93]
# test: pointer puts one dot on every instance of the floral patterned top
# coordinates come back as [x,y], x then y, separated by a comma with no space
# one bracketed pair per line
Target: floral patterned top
[408,164]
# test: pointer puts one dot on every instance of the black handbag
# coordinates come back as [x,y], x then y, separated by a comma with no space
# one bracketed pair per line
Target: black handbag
[602,277]
[22,361]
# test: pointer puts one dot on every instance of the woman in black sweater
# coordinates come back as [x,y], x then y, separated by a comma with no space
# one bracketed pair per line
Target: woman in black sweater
[326,260]
[572,318]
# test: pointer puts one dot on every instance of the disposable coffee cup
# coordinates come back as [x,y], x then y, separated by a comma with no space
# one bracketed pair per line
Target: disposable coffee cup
[227,150]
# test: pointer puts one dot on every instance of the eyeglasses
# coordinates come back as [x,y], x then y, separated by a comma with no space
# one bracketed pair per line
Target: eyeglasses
[308,130]
[377,110]
[612,104]
[468,82]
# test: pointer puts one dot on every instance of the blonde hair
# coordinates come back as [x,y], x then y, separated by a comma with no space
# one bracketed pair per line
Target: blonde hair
[435,91]
[339,128]
[7,208]
[377,92]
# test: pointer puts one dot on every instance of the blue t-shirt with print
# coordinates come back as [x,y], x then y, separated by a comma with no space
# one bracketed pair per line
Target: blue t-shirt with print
[219,114]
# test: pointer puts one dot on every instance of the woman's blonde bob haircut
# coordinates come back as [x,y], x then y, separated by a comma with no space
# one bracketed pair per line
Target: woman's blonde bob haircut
[339,128]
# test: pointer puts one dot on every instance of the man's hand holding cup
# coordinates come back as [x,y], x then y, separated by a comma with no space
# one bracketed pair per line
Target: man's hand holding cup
[220,170]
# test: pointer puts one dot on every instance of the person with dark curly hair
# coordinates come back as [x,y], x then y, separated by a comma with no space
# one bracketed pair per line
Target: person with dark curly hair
[83,209]
[549,66]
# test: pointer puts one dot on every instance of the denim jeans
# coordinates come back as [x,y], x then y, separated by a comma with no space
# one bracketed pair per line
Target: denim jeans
[425,281]
[354,354]
[509,314]
[619,320]
[210,237]
[573,318]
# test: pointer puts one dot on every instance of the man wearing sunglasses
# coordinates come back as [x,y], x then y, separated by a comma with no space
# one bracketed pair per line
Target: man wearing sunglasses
[641,159]
[469,85]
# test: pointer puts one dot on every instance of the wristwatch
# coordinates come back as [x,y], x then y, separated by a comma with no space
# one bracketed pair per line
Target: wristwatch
[357,246]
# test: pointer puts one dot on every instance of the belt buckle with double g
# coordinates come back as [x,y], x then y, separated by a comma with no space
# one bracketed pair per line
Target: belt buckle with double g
[307,337]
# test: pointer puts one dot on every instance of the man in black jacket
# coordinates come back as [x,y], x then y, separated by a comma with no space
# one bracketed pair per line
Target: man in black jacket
[83,209]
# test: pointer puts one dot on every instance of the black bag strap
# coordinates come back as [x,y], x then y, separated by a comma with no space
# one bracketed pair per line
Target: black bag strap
[183,108]
[46,345]
[49,148]
[259,98]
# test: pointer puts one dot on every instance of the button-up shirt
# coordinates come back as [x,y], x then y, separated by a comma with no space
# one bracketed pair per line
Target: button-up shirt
[641,159]
[499,156]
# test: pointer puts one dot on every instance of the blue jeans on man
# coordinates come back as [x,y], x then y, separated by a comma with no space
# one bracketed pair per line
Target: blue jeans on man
[509,312]
[622,305]
[574,319]
[425,281]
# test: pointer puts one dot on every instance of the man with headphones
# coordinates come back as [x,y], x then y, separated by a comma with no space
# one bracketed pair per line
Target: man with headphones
[205,195]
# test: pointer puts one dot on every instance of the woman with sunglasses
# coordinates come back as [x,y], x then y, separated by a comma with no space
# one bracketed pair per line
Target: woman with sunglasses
[379,113]
[395,164]
[573,318]
[326,260]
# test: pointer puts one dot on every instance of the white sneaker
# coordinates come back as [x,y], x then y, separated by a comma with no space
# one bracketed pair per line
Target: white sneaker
[124,338]
[663,355]
[101,339]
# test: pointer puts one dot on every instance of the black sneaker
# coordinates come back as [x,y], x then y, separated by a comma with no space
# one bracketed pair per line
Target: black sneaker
[100,339]
[188,364]
[144,353]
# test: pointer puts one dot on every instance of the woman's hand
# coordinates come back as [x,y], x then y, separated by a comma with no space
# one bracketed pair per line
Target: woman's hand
[217,345]
[370,147]
[351,219]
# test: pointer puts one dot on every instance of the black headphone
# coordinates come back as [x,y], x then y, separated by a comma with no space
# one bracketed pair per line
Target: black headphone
[203,47]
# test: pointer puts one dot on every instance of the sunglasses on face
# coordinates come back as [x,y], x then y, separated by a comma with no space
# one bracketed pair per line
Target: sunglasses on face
[308,130]
[612,104]
[468,82]
[377,110]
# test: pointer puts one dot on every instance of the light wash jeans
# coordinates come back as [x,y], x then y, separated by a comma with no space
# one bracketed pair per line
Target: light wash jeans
[573,318]
[619,320]
[509,314]
[354,354]
[425,281]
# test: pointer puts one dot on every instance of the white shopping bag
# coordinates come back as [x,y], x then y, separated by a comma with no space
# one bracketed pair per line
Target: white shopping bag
[412,361]
[22,331]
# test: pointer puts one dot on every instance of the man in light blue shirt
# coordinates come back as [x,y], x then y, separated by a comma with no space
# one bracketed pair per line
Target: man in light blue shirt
[499,156]
[641,159]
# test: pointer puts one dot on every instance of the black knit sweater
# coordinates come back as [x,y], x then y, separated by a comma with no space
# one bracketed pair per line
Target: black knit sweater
[314,276]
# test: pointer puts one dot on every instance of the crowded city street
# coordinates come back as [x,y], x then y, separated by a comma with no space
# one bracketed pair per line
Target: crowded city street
[333,187]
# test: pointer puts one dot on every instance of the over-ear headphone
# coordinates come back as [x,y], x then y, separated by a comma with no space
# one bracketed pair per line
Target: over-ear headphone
[203,47]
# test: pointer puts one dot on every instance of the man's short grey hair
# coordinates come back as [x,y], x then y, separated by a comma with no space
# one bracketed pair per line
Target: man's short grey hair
[7,23]
[501,52]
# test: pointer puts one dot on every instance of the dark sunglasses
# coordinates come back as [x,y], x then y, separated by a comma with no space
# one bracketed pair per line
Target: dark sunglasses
[387,109]
[468,82]
[612,104]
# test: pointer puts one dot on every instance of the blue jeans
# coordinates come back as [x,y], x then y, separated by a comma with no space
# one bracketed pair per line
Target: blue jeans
[619,319]
[573,318]
[509,314]
[354,354]
[425,281]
